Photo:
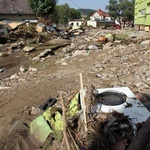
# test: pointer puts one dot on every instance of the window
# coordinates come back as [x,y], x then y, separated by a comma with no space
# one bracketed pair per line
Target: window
[142,12]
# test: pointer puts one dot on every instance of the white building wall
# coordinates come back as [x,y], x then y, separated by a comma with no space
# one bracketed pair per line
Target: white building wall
[92,23]
[95,16]
[76,23]
[108,18]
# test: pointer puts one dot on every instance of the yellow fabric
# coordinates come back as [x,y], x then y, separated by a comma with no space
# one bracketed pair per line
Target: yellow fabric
[54,120]
[73,108]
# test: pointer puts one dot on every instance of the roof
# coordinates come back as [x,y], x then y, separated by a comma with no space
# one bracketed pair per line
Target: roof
[14,7]
[103,13]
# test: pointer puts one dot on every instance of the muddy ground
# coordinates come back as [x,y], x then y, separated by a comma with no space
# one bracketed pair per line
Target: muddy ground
[123,64]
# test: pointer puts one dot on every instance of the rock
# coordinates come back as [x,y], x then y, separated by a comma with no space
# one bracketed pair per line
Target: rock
[104,75]
[26,108]
[22,69]
[14,76]
[14,45]
[124,58]
[105,61]
[92,47]
[1,45]
[28,49]
[107,46]
[64,50]
[82,47]
[72,46]
[113,69]
[32,69]
[98,75]
[98,66]
[1,54]
[111,76]
[64,64]
[138,84]
[21,43]
[88,39]
[34,111]
[79,52]
[44,54]
[147,42]
[133,35]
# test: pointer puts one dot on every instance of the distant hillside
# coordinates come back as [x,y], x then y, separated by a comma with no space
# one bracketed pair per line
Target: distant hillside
[86,12]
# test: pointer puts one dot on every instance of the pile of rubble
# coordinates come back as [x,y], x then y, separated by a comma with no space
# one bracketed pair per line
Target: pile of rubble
[89,119]
[92,119]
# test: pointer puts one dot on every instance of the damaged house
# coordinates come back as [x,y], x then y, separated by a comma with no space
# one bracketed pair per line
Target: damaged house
[15,10]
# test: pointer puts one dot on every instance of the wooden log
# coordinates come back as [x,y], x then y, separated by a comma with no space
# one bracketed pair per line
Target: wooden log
[142,139]
[64,123]
[83,102]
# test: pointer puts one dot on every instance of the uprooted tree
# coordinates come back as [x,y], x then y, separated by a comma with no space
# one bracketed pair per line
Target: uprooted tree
[43,8]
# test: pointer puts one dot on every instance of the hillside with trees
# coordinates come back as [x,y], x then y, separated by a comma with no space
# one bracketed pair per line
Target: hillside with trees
[86,12]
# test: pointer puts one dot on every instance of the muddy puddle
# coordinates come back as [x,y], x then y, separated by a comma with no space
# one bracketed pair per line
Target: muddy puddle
[10,65]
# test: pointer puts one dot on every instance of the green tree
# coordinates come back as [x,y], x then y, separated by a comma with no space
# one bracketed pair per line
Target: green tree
[63,13]
[121,9]
[42,8]
[113,8]
[74,14]
[127,9]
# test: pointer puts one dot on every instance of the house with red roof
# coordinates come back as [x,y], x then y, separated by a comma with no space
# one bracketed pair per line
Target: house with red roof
[100,18]
[100,15]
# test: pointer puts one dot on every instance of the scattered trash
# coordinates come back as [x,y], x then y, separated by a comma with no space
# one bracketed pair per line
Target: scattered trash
[103,39]
[110,123]
[49,103]
[40,129]
[40,27]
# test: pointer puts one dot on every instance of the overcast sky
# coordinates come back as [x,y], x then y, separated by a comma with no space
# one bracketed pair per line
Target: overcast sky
[89,4]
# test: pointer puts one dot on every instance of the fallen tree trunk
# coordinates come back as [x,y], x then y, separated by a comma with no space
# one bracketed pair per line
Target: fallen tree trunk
[142,139]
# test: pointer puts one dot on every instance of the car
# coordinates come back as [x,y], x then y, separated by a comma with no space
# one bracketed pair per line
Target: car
[117,26]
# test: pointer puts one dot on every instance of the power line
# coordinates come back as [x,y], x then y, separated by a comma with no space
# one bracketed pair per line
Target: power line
[75,4]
